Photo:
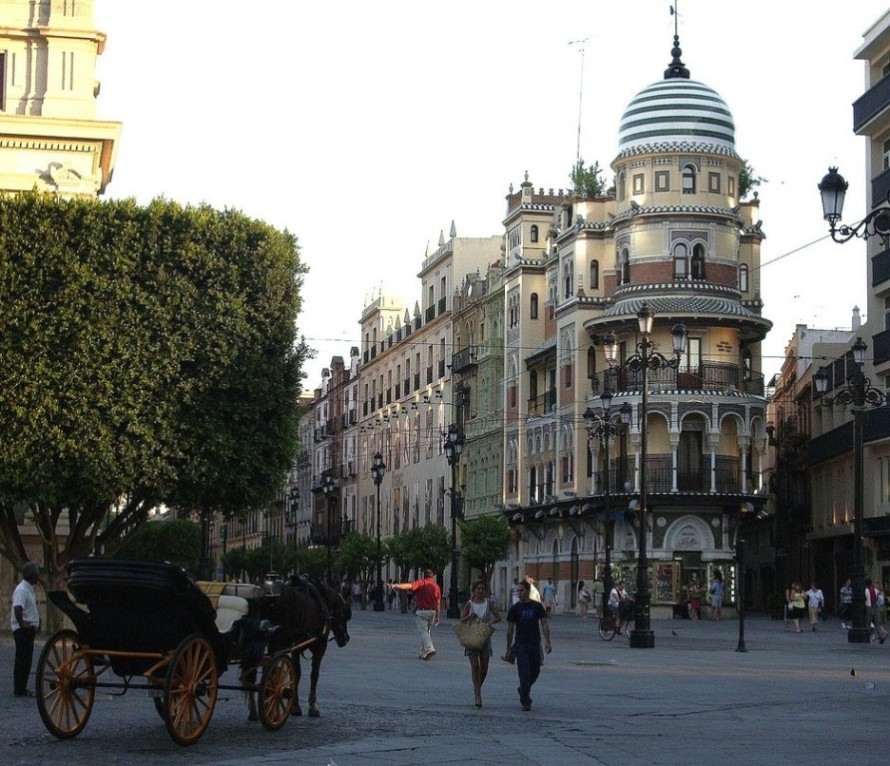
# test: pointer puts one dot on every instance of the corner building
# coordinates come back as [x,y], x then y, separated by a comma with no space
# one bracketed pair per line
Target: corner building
[675,235]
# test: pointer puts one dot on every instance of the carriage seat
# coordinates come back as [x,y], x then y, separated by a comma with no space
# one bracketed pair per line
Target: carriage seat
[230,609]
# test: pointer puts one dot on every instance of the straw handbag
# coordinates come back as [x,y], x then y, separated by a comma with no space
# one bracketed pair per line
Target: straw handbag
[473,634]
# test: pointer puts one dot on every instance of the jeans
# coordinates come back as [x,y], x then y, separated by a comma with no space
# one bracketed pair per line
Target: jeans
[24,656]
[423,619]
[528,664]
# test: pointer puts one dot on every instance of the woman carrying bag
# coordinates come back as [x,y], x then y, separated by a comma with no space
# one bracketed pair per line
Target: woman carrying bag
[480,608]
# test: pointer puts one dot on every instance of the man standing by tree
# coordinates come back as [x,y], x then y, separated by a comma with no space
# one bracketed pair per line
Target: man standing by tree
[427,602]
[25,621]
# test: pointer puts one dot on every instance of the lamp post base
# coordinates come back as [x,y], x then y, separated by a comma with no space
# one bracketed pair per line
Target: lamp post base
[859,635]
[642,639]
[453,611]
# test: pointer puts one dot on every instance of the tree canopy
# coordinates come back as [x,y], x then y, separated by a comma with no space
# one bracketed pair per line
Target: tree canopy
[420,547]
[150,355]
[484,541]
[588,181]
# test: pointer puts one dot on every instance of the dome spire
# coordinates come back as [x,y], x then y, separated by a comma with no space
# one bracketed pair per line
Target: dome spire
[676,69]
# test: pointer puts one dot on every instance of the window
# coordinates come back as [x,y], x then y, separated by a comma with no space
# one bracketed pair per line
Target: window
[689,179]
[886,160]
[591,363]
[624,261]
[567,280]
[595,275]
[567,376]
[533,306]
[743,278]
[714,183]
[638,183]
[622,186]
[887,313]
[698,262]
[681,261]
[691,359]
[534,233]
[730,186]
[662,181]
[533,385]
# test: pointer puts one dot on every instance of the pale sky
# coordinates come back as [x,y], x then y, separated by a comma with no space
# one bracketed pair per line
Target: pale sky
[366,128]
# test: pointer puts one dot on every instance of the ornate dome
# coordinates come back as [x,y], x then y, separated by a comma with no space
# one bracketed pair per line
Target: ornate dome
[677,110]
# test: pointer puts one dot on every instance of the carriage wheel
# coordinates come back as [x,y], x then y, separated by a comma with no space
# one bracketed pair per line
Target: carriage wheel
[190,690]
[277,692]
[66,685]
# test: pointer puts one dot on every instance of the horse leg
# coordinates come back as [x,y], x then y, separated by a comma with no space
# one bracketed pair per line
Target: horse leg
[317,656]
[248,677]
[296,710]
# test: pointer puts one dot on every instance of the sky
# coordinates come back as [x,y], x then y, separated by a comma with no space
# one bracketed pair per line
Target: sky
[365,128]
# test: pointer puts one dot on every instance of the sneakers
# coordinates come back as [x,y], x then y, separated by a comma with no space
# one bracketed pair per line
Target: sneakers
[429,655]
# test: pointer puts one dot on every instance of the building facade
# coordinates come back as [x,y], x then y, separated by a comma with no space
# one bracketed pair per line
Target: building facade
[677,237]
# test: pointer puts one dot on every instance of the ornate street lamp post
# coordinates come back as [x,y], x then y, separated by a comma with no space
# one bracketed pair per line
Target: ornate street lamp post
[642,636]
[602,427]
[377,472]
[859,393]
[833,189]
[330,493]
[454,446]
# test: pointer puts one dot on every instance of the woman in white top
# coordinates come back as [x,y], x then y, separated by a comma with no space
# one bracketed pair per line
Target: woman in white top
[480,607]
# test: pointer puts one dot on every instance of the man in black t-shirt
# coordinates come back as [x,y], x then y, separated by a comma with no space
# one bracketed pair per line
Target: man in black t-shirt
[526,621]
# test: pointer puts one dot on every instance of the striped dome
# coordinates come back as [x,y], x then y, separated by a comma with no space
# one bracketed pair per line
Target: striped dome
[677,110]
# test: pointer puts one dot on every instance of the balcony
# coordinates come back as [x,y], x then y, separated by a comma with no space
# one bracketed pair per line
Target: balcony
[442,305]
[543,404]
[708,376]
[870,104]
[660,476]
[881,343]
[430,314]
[880,186]
[463,359]
[880,268]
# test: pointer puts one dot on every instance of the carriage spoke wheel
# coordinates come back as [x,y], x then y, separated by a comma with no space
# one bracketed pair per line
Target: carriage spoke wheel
[66,685]
[190,690]
[277,692]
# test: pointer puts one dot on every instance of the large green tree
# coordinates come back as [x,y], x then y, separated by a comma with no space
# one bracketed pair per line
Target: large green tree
[484,541]
[358,555]
[149,355]
[175,540]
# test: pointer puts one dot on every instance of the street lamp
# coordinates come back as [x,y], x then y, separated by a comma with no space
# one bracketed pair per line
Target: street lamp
[642,636]
[833,189]
[454,446]
[377,472]
[859,393]
[329,487]
[602,427]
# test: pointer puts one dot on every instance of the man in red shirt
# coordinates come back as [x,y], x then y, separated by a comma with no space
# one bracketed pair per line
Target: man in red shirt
[427,599]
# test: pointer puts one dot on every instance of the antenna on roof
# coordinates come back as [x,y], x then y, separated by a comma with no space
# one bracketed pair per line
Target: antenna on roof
[582,46]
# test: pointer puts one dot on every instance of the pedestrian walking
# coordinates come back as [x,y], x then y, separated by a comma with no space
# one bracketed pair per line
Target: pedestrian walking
[846,605]
[815,601]
[871,610]
[526,622]
[696,593]
[798,604]
[427,602]
[717,592]
[480,607]
[548,593]
[584,599]
[25,621]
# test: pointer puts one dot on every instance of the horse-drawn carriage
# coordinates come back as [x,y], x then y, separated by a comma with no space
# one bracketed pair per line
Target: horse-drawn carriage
[152,626]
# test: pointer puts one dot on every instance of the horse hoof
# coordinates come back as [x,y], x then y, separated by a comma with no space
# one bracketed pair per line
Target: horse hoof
[296,711]
[314,714]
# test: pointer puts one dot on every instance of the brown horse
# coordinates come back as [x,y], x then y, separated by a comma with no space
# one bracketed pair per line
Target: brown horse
[307,613]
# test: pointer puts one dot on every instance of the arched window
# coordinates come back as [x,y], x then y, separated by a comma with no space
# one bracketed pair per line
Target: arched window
[594,275]
[533,385]
[534,233]
[689,179]
[591,363]
[681,261]
[622,186]
[623,263]
[743,278]
[698,262]
[567,280]
[533,306]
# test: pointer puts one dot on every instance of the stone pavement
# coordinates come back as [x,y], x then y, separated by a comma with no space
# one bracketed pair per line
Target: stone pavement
[693,699]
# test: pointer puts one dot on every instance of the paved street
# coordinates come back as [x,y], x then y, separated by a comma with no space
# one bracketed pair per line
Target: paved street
[692,700]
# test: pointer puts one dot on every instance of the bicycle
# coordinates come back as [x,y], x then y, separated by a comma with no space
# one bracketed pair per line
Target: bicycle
[611,625]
